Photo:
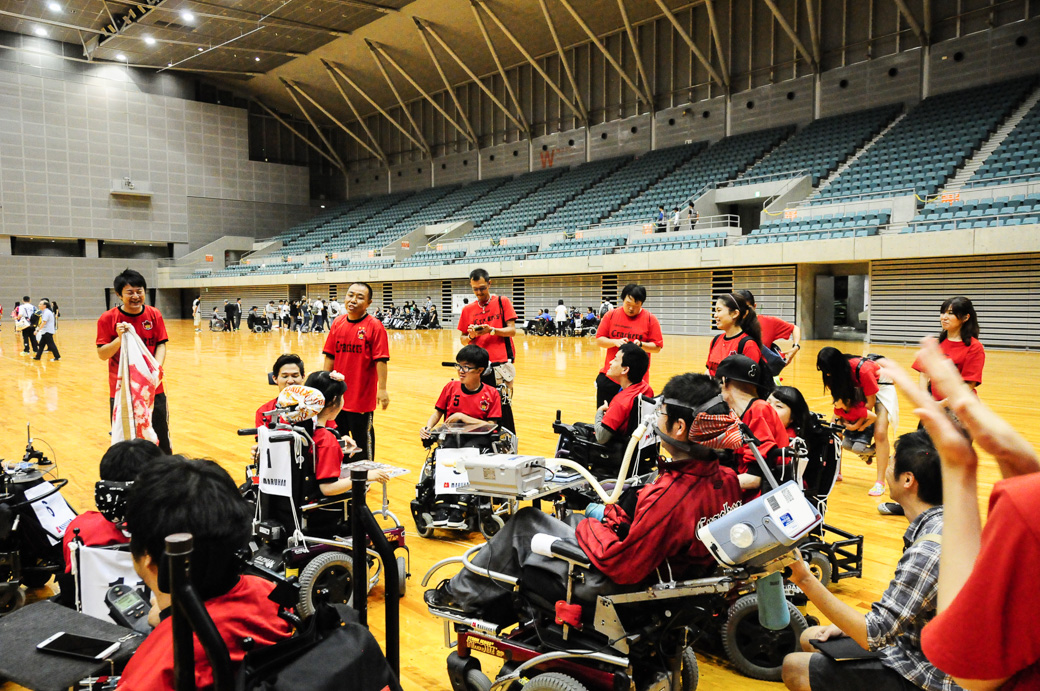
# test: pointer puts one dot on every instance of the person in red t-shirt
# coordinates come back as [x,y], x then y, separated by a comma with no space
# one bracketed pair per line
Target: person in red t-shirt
[490,322]
[959,341]
[614,419]
[775,329]
[629,323]
[358,348]
[741,332]
[148,323]
[854,380]
[176,495]
[984,635]
[287,370]
[739,377]
[463,400]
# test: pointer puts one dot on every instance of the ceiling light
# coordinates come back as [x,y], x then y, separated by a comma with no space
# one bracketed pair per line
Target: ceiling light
[149,40]
[39,31]
[199,49]
[257,59]
[120,56]
[169,64]
[53,7]
[187,16]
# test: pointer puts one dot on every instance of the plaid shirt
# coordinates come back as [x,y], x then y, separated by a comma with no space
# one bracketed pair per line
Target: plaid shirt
[894,623]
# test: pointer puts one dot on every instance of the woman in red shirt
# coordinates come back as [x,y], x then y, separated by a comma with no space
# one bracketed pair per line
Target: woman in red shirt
[741,332]
[852,380]
[959,342]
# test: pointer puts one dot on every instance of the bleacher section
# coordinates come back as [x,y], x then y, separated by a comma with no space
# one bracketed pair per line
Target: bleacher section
[616,189]
[722,161]
[431,258]
[324,216]
[502,253]
[357,236]
[1016,210]
[819,227]
[580,247]
[927,146]
[340,227]
[674,241]
[532,208]
[509,193]
[1017,156]
[821,147]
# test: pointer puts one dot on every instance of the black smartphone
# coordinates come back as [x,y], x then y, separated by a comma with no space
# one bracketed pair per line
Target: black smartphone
[73,645]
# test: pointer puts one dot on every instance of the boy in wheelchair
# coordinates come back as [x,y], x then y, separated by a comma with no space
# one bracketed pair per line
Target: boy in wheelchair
[465,400]
[175,495]
[652,528]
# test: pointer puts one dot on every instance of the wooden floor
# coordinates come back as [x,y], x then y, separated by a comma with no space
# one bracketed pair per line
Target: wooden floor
[216,381]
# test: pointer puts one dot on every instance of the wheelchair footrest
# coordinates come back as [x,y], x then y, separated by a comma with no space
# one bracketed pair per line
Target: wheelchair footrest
[848,554]
[568,614]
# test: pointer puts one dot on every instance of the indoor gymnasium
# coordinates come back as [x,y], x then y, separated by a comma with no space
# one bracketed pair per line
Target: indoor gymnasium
[574,345]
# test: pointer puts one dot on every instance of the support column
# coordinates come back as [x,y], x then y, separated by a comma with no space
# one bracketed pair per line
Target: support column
[5,245]
[91,249]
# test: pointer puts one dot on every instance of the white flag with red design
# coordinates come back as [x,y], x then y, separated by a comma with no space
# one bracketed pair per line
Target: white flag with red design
[138,380]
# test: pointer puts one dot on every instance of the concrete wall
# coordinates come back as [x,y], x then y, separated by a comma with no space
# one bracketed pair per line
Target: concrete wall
[558,149]
[456,168]
[630,136]
[892,79]
[694,122]
[985,57]
[785,103]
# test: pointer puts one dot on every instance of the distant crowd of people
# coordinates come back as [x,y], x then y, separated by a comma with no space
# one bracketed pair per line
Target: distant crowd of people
[302,314]
[410,315]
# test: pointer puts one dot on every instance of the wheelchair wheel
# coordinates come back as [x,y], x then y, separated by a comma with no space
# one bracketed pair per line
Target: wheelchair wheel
[327,578]
[490,525]
[477,681]
[402,574]
[424,526]
[12,597]
[35,579]
[755,650]
[691,674]
[820,566]
[554,681]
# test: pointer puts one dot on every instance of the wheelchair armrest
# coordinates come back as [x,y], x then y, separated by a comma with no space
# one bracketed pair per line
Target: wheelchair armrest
[556,548]
[326,501]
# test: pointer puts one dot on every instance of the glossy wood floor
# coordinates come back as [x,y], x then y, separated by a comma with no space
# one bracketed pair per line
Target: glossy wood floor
[216,381]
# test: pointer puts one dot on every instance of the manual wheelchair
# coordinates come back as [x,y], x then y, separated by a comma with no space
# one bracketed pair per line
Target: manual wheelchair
[301,533]
[455,440]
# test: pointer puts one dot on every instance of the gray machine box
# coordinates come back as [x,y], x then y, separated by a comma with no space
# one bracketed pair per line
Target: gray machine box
[505,474]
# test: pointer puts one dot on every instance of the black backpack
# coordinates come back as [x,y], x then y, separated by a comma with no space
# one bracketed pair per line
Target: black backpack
[765,371]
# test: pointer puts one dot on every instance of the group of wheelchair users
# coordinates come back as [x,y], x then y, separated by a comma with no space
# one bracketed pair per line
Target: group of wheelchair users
[706,424]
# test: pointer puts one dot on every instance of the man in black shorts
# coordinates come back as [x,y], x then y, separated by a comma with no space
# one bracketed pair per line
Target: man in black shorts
[490,322]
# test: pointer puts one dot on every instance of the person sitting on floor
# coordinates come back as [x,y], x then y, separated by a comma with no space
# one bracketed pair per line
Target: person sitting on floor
[176,495]
[647,527]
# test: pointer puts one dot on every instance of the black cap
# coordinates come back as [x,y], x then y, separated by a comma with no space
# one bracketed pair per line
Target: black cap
[738,368]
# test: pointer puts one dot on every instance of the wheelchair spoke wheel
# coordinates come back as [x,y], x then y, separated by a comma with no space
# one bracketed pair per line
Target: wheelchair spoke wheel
[554,681]
[756,651]
[327,578]
[477,681]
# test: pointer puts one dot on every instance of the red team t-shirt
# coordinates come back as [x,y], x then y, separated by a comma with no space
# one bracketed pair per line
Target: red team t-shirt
[328,456]
[723,346]
[969,360]
[856,412]
[483,404]
[149,325]
[619,412]
[243,612]
[764,423]
[868,377]
[262,421]
[989,630]
[355,348]
[643,327]
[95,531]
[773,329]
[492,315]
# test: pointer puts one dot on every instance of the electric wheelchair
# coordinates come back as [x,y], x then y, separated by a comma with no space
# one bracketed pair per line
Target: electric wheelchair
[297,531]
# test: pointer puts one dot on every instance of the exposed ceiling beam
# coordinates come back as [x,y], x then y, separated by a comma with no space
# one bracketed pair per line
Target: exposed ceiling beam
[531,61]
[635,51]
[330,116]
[386,56]
[640,94]
[130,17]
[786,26]
[927,11]
[400,101]
[811,9]
[317,130]
[251,18]
[21,49]
[918,31]
[374,104]
[716,36]
[444,78]
[583,116]
[357,116]
[361,4]
[292,129]
[425,26]
[722,80]
[51,22]
[501,70]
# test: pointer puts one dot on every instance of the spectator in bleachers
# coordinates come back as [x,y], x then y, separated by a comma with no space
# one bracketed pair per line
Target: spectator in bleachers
[691,216]
[894,623]
[659,221]
[676,219]
[984,634]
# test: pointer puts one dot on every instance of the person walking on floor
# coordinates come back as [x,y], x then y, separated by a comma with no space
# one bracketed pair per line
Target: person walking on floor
[45,331]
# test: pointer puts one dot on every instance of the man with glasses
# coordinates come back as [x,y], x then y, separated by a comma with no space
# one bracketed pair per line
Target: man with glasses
[358,348]
[490,322]
[465,400]
[148,323]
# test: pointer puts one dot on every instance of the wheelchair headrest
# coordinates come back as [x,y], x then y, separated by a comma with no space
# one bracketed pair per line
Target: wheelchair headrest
[301,402]
[110,499]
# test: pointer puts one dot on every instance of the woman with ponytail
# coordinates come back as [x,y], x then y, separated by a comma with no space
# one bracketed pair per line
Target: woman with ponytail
[741,332]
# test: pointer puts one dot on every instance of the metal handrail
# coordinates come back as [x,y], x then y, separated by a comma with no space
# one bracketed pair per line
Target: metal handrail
[784,173]
[1011,180]
[862,196]
[971,219]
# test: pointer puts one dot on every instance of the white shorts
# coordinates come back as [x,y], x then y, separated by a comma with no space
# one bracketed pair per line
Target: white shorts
[887,397]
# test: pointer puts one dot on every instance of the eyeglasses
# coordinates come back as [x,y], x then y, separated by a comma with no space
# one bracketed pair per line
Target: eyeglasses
[463,369]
